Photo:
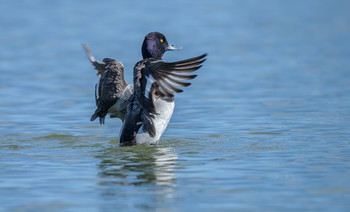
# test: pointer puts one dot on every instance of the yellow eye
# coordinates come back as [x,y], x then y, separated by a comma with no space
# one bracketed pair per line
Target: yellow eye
[161,40]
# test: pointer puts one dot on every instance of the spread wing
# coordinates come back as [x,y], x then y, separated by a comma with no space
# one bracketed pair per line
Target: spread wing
[156,78]
[106,90]
[100,67]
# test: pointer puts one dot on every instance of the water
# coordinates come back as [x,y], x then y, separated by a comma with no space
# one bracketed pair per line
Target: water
[264,127]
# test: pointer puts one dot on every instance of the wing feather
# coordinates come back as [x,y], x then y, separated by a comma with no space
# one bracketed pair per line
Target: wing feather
[108,89]
[166,76]
[100,67]
[195,61]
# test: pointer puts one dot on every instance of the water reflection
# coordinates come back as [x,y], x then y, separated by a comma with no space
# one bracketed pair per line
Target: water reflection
[137,165]
[137,177]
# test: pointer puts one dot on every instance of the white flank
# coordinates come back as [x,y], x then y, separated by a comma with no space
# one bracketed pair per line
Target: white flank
[165,110]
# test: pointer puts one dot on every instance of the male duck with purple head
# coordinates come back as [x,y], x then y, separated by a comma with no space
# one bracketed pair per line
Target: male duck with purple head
[146,106]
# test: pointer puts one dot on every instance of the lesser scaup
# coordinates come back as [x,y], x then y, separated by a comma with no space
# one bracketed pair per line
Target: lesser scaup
[145,107]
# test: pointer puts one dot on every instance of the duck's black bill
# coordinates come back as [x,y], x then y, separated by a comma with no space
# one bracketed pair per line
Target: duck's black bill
[173,47]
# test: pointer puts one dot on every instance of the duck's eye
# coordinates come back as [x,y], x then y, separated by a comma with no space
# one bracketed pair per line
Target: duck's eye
[161,40]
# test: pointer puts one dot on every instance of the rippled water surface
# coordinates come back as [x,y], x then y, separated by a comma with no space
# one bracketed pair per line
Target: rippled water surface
[264,127]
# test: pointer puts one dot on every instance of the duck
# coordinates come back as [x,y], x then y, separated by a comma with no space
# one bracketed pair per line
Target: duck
[146,106]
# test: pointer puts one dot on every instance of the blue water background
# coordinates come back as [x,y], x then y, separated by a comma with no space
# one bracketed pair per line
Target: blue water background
[264,127]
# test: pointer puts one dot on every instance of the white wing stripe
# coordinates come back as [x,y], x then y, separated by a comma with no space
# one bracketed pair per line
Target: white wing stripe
[148,86]
[97,86]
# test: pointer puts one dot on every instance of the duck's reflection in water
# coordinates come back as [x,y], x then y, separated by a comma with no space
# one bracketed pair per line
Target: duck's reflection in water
[138,165]
[137,177]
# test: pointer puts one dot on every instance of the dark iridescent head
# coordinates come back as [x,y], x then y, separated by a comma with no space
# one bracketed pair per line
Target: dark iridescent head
[155,45]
